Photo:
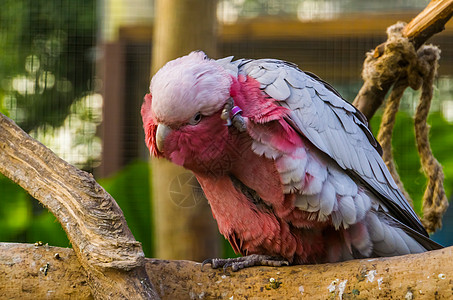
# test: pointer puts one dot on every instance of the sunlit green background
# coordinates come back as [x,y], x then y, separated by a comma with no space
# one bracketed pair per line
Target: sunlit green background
[49,86]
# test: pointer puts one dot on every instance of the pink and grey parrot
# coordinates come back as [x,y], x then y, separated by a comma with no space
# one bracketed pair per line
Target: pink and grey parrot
[291,170]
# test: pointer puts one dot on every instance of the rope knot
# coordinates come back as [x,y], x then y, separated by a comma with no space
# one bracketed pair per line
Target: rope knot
[418,69]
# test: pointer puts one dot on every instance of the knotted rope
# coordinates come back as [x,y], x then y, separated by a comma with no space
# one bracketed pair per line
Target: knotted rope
[417,69]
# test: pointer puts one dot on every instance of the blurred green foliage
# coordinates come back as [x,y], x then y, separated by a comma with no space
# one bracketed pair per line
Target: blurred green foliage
[406,156]
[15,212]
[46,63]
[23,220]
[47,58]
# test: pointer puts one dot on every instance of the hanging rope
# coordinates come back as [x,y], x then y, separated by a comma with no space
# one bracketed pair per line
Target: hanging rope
[386,131]
[417,69]
[435,201]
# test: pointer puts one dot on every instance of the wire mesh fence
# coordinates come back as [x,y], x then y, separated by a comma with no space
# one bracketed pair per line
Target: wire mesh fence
[52,54]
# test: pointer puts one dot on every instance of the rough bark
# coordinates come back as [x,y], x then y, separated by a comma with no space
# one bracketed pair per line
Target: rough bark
[111,257]
[184,227]
[23,275]
[429,22]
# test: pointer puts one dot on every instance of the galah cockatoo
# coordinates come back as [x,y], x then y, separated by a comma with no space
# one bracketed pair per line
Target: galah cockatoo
[290,169]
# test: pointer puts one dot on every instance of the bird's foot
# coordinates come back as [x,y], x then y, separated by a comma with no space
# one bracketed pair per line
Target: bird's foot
[245,262]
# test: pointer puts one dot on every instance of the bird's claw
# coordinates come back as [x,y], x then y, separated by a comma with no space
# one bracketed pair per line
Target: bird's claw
[205,262]
[244,262]
[215,263]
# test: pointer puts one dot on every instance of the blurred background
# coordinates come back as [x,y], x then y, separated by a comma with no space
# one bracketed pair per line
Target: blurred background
[73,75]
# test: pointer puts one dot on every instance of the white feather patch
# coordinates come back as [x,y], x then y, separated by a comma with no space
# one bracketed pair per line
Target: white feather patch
[318,173]
[328,199]
[268,152]
[347,209]
[301,202]
[292,176]
[366,200]
[292,170]
[313,202]
[336,219]
[279,89]
[359,207]
[342,183]
[268,77]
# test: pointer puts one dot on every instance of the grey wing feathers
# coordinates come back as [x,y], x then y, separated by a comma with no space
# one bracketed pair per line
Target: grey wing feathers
[334,126]
[379,220]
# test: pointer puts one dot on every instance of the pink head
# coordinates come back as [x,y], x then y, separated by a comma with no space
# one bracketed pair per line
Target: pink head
[188,85]
[181,115]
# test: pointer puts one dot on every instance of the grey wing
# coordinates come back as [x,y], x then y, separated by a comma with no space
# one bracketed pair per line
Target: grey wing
[335,127]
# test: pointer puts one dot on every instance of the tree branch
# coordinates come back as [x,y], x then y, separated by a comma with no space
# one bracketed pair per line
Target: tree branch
[417,276]
[112,259]
[429,22]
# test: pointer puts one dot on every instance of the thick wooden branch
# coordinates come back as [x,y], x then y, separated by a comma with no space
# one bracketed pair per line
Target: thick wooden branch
[27,270]
[112,259]
[430,21]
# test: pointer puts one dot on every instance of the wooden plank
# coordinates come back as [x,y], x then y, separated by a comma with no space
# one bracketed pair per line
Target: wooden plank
[279,29]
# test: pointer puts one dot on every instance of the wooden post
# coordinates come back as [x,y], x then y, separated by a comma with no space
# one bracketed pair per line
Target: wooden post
[185,228]
[113,112]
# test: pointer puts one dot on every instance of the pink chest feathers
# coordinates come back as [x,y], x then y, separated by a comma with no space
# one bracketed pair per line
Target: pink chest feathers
[255,215]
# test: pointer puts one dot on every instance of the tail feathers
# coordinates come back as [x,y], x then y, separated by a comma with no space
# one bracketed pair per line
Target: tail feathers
[391,238]
[421,239]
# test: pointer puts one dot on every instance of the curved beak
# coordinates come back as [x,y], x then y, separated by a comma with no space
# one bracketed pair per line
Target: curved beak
[161,133]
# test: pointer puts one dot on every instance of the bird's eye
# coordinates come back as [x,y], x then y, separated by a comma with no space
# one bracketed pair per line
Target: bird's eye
[195,119]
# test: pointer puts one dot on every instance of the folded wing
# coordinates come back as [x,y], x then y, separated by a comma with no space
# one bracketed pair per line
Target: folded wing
[336,128]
